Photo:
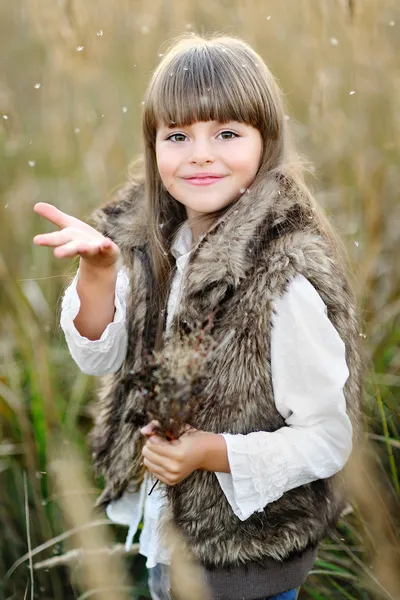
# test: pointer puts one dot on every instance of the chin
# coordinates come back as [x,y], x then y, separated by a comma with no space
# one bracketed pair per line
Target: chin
[208,206]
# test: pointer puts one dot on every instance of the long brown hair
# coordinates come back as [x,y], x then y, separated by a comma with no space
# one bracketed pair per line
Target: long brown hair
[222,79]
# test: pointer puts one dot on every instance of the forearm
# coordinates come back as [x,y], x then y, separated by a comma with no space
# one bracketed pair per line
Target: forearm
[96,291]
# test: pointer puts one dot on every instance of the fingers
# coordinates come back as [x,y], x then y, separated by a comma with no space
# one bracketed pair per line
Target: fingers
[167,473]
[158,472]
[159,462]
[57,238]
[61,219]
[161,447]
[70,241]
[75,238]
[81,247]
[53,214]
[151,428]
[70,249]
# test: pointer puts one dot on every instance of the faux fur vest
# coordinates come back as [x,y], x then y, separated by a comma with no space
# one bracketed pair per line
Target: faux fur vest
[236,271]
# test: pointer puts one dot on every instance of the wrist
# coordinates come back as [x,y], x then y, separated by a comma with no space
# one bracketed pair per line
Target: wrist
[214,453]
[96,274]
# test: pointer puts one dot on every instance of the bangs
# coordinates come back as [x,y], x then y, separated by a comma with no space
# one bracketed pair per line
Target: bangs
[208,82]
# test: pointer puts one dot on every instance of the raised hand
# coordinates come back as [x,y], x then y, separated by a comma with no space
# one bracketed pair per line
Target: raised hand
[76,238]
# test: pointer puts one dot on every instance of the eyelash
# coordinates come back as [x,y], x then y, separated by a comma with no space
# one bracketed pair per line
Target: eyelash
[226,131]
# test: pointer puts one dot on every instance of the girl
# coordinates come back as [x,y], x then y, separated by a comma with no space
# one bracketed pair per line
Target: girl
[221,225]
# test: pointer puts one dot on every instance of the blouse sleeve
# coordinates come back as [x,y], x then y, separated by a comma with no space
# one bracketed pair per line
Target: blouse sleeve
[105,355]
[309,371]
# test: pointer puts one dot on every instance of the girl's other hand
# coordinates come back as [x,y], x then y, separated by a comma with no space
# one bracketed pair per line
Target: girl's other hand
[76,238]
[171,462]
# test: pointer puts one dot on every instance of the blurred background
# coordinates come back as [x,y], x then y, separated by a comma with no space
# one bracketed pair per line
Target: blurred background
[72,79]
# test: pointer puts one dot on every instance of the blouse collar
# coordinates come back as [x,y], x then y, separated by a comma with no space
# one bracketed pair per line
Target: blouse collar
[183,242]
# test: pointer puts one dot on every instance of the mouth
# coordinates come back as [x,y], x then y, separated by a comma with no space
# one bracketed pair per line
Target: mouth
[203,180]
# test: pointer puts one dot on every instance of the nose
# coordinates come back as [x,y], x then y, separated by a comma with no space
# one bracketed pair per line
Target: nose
[202,152]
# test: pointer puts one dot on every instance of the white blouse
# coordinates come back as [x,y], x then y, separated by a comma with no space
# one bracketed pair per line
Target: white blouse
[309,371]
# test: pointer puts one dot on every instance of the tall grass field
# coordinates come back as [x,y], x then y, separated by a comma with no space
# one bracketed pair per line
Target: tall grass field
[72,79]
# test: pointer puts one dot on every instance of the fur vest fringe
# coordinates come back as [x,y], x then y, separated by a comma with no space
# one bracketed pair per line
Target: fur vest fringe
[235,272]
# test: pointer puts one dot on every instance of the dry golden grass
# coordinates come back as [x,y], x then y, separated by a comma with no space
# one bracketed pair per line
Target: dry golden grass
[73,78]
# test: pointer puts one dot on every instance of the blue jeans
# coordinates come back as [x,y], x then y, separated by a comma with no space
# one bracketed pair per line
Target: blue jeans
[290,595]
[159,585]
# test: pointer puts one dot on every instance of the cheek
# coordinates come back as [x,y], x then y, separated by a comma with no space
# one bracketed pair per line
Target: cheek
[254,158]
[247,160]
[167,164]
[164,167]
[247,167]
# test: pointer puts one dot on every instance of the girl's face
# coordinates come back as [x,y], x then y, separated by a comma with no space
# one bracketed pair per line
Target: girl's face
[207,165]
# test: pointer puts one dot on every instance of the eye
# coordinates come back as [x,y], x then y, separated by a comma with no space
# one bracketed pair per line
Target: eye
[177,135]
[231,135]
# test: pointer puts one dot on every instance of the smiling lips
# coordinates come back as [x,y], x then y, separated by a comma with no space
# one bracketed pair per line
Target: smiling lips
[203,178]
